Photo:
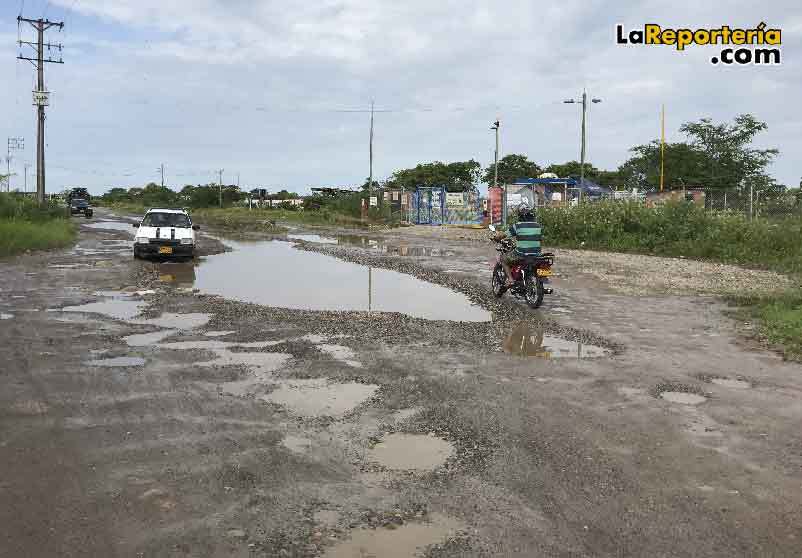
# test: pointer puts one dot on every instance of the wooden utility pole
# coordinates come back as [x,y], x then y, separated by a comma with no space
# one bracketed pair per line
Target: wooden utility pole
[370,176]
[41,97]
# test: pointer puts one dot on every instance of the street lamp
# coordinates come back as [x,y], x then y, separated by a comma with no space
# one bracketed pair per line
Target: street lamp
[496,125]
[582,152]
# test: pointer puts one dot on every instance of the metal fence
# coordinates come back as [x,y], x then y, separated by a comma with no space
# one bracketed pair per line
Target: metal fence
[433,205]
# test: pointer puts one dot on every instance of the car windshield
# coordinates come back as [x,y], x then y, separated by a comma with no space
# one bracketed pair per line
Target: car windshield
[78,202]
[166,220]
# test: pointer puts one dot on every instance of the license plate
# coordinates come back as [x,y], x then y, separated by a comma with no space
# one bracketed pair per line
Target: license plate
[165,249]
[543,272]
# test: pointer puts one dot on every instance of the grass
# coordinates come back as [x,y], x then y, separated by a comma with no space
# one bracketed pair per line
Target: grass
[26,226]
[678,229]
[779,319]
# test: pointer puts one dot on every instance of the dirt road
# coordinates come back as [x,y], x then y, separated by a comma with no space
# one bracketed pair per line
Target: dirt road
[158,409]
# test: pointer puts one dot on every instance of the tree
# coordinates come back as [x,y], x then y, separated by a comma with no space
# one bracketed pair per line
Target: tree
[510,168]
[456,177]
[685,166]
[732,162]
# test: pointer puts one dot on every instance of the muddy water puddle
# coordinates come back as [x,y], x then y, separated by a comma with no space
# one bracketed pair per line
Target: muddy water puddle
[683,398]
[112,226]
[190,320]
[117,362]
[529,340]
[406,541]
[730,383]
[115,308]
[147,339]
[274,273]
[6,316]
[411,452]
[320,397]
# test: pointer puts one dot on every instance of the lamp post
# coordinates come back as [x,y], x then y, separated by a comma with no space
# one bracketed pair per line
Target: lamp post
[496,125]
[582,150]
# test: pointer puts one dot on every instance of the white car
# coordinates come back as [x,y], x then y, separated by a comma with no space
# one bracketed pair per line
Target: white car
[165,233]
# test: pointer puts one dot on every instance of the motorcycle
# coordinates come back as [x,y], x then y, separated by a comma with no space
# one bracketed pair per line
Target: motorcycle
[530,276]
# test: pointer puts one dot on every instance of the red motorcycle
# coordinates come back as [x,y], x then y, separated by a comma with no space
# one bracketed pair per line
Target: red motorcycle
[530,276]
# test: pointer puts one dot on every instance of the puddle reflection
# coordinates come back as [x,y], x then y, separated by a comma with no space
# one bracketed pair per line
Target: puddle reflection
[274,273]
[529,340]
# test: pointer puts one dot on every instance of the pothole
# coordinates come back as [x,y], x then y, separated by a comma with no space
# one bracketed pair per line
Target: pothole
[147,339]
[530,340]
[405,541]
[730,383]
[117,361]
[118,309]
[422,452]
[344,354]
[177,321]
[683,397]
[320,397]
[218,333]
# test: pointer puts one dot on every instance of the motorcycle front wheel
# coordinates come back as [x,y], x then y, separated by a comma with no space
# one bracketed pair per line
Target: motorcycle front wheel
[534,291]
[499,281]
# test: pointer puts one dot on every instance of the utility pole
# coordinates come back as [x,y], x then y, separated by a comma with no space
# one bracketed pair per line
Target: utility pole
[13,143]
[582,149]
[41,95]
[27,165]
[370,176]
[220,187]
[161,168]
[496,125]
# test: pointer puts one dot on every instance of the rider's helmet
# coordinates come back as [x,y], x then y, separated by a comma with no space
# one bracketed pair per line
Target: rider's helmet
[525,212]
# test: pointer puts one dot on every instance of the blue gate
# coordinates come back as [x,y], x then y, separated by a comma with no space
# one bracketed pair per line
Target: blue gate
[432,205]
[427,206]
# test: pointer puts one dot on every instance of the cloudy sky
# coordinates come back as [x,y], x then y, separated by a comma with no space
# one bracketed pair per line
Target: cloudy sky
[272,90]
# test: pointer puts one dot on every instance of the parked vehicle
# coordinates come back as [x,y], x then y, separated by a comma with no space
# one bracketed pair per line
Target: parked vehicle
[530,276]
[80,205]
[165,233]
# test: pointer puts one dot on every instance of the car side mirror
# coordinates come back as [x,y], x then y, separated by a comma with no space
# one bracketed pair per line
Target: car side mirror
[135,225]
[195,227]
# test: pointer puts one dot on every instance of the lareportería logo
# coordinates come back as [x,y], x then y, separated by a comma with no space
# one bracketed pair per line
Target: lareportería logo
[734,41]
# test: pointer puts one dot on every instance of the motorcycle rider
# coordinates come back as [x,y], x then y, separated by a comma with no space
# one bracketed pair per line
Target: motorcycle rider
[527,233]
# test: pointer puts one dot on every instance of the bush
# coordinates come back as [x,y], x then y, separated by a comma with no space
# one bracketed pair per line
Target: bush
[676,229]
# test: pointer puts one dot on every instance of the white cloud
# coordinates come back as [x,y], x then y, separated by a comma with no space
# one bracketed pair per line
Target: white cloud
[199,84]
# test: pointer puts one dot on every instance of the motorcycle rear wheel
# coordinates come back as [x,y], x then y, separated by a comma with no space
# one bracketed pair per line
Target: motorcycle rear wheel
[534,291]
[499,281]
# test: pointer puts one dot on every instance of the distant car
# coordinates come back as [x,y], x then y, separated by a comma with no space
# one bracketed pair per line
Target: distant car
[80,205]
[166,233]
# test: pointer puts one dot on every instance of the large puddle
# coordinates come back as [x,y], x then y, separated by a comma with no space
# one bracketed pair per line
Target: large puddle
[530,341]
[274,273]
[411,451]
[406,541]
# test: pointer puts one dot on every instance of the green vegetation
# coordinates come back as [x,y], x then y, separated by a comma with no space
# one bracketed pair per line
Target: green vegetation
[779,319]
[677,229]
[25,226]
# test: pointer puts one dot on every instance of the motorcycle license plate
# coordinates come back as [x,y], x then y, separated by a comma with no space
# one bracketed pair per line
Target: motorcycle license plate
[543,272]
[165,249]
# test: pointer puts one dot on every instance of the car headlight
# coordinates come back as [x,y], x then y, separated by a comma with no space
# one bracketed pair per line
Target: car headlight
[187,241]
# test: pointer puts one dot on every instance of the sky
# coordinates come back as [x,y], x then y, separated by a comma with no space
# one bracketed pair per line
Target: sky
[277,94]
